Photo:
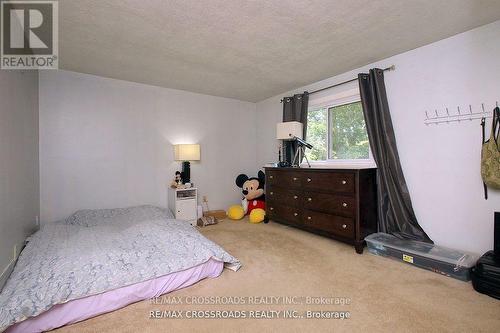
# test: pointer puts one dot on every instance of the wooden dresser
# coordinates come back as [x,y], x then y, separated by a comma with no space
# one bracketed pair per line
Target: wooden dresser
[338,203]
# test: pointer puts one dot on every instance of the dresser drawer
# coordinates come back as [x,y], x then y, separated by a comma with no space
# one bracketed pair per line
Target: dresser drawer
[329,181]
[282,212]
[271,177]
[283,196]
[286,179]
[329,203]
[338,225]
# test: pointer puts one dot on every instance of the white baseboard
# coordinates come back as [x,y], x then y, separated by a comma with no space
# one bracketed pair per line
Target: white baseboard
[6,273]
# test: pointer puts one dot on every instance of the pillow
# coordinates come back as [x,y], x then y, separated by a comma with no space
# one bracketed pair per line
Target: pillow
[129,215]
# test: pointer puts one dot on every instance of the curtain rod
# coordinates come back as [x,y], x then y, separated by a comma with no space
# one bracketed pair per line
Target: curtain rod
[390,68]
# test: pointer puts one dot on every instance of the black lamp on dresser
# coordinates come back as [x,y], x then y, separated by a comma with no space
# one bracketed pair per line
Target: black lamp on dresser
[337,203]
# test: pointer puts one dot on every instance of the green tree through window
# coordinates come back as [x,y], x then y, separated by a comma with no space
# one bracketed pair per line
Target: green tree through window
[317,131]
[337,132]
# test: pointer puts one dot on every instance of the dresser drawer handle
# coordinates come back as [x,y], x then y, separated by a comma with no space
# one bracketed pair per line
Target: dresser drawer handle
[294,178]
[271,193]
[295,214]
[309,218]
[271,177]
[309,199]
[344,204]
[295,197]
[344,226]
[308,180]
[344,182]
[271,208]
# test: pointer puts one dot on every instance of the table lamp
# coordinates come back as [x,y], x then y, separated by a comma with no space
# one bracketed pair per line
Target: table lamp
[289,130]
[186,153]
[292,131]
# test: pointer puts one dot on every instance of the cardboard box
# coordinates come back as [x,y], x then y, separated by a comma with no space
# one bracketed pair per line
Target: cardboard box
[218,214]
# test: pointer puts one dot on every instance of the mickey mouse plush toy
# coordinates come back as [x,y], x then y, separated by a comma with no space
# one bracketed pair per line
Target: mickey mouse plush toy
[253,202]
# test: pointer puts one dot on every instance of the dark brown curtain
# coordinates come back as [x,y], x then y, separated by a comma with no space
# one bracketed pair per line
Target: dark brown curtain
[294,109]
[395,211]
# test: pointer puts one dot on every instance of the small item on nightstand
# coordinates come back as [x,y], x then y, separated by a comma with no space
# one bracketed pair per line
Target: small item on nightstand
[177,182]
[206,220]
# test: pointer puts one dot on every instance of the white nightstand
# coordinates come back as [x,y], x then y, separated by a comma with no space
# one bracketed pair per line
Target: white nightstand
[183,203]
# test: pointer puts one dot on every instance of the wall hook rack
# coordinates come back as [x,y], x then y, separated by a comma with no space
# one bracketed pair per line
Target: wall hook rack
[446,117]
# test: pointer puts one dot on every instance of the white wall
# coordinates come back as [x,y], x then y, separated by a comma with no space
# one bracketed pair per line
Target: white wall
[108,143]
[441,163]
[19,195]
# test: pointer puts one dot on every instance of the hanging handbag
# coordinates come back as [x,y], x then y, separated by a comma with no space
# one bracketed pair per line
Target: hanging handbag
[490,154]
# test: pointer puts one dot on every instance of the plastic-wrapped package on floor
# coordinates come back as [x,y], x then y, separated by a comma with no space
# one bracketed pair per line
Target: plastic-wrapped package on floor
[439,259]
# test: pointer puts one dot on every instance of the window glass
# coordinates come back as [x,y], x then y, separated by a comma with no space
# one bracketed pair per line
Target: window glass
[337,132]
[317,132]
[349,139]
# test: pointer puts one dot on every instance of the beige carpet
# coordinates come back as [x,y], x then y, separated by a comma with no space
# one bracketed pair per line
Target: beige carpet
[386,296]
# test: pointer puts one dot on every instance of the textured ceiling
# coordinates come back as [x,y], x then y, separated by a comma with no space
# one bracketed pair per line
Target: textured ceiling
[251,50]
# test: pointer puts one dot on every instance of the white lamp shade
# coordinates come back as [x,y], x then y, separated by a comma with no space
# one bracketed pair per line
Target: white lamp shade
[187,152]
[288,130]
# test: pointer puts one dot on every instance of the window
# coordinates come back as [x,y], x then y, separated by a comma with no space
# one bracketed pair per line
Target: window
[338,134]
